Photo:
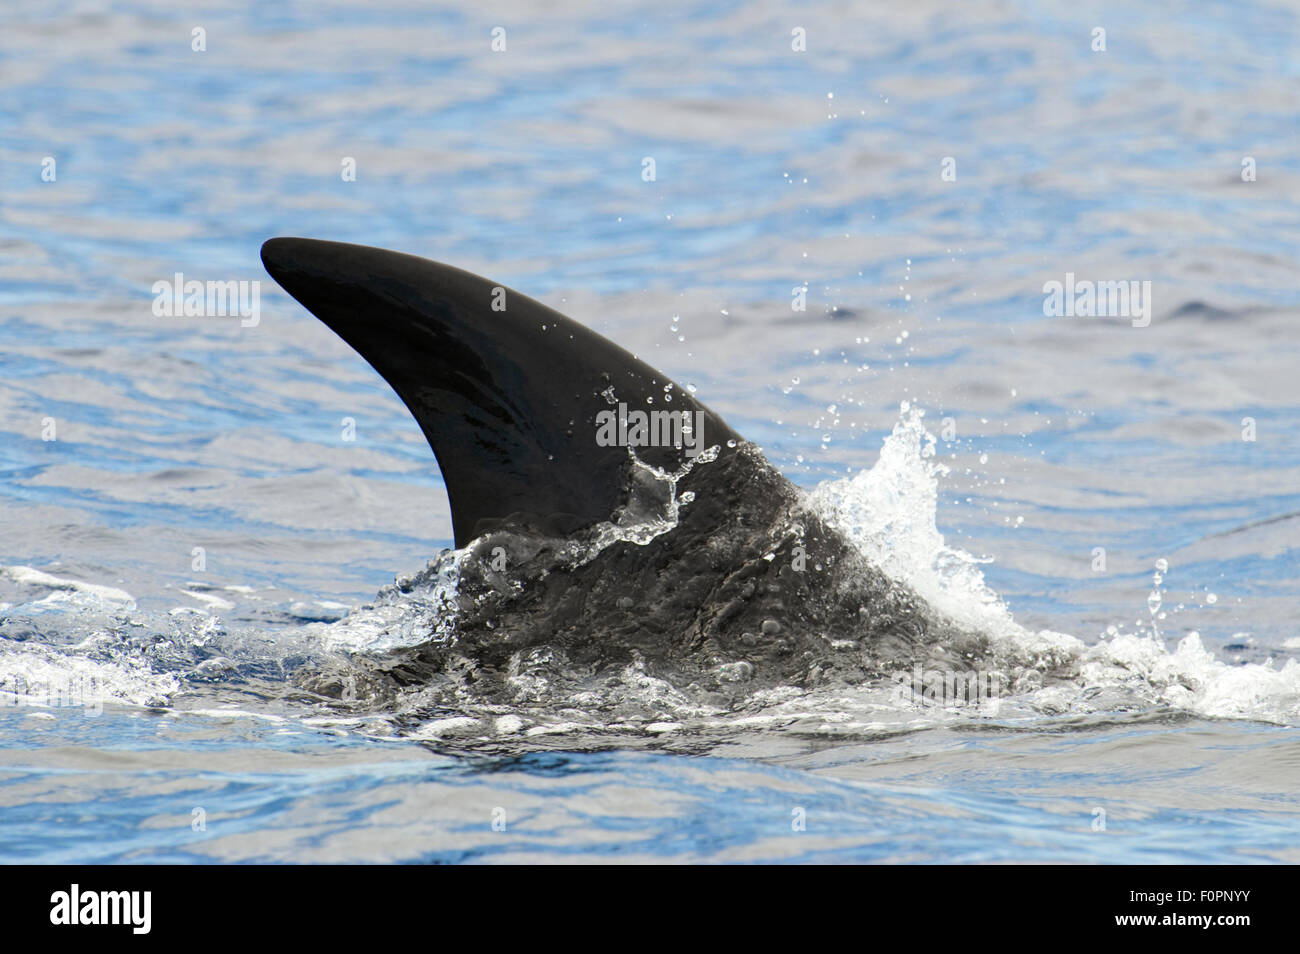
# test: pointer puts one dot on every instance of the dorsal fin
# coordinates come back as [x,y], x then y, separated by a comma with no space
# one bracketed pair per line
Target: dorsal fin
[508,399]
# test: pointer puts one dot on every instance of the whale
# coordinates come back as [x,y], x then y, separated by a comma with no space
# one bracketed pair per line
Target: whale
[605,520]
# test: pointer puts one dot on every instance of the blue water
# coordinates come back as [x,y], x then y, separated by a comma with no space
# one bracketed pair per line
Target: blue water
[773,169]
[323,799]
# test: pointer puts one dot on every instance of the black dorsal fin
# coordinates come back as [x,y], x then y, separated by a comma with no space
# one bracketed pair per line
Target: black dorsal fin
[508,399]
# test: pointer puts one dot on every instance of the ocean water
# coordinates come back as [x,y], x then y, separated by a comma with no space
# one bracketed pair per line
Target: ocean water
[194,509]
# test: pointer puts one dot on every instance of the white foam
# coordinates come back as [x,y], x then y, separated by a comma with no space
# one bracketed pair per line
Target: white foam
[39,677]
[889,512]
[408,619]
[107,595]
[1194,679]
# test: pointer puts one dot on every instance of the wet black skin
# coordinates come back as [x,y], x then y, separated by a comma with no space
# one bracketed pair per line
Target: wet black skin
[748,589]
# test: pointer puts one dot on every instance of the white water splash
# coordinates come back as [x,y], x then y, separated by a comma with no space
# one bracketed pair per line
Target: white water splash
[889,512]
[38,677]
[410,612]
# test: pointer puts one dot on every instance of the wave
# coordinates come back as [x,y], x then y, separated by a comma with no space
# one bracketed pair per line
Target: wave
[67,642]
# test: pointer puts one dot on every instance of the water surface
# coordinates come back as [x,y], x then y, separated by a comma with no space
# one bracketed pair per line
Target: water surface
[774,170]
